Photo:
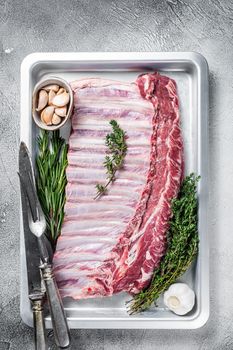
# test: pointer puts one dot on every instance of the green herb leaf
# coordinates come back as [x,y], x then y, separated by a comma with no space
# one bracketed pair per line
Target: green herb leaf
[51,180]
[116,143]
[182,246]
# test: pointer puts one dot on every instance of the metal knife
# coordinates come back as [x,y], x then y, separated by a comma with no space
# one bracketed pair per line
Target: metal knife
[37,225]
[35,293]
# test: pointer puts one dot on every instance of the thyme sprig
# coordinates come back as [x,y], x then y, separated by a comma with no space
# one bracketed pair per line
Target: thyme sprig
[116,143]
[51,180]
[182,246]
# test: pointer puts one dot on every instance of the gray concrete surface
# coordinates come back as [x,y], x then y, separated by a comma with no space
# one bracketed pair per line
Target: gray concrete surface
[75,25]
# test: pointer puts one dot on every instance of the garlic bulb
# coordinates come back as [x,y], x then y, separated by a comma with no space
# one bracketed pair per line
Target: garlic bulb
[179,298]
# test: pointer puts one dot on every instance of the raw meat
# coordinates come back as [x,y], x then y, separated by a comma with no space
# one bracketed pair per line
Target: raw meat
[114,243]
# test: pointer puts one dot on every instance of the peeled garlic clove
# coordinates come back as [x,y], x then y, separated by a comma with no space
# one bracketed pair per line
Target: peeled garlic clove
[61,111]
[60,91]
[47,115]
[56,119]
[61,100]
[53,87]
[51,96]
[42,100]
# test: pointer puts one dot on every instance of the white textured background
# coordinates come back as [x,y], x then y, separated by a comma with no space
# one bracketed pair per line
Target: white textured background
[77,25]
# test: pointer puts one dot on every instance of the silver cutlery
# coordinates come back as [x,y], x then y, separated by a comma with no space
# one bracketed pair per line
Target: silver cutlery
[35,292]
[37,225]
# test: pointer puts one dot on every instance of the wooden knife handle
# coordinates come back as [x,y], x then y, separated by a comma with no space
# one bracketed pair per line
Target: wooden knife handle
[58,317]
[38,320]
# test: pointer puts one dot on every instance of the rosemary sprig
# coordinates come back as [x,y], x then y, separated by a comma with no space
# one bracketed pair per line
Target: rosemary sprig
[182,246]
[116,143]
[51,180]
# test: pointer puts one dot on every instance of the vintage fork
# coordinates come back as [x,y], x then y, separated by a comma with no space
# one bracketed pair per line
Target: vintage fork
[37,225]
[59,322]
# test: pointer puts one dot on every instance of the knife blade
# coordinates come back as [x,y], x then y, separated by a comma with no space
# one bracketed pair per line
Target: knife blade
[37,225]
[35,293]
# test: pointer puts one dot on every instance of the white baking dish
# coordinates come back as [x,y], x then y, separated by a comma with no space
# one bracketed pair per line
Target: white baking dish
[190,70]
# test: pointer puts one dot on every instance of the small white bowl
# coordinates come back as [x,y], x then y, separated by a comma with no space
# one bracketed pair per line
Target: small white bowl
[36,115]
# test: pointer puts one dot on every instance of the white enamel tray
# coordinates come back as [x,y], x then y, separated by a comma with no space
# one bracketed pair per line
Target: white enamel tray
[190,70]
